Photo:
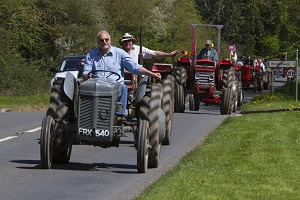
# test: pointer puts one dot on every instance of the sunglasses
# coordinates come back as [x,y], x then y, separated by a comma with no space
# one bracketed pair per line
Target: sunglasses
[102,40]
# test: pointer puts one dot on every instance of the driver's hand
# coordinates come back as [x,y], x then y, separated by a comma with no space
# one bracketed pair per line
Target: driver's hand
[86,76]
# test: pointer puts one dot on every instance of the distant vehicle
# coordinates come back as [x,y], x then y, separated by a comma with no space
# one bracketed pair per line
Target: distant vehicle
[72,64]
[207,81]
[279,72]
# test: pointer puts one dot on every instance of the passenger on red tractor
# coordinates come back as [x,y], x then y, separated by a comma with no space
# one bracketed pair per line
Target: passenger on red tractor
[208,52]
[128,44]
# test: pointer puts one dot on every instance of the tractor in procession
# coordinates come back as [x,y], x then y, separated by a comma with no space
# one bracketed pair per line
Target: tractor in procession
[206,81]
[253,75]
[82,112]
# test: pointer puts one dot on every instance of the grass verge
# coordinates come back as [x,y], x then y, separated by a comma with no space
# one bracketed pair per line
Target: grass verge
[254,156]
[25,103]
[251,156]
[281,99]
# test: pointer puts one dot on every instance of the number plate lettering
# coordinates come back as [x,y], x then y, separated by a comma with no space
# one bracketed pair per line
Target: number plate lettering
[94,132]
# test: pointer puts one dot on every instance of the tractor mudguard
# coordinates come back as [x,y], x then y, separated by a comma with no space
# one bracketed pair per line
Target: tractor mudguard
[69,85]
[141,90]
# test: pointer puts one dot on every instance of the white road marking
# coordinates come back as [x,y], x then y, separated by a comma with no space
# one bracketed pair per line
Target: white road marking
[11,137]
[7,138]
[33,130]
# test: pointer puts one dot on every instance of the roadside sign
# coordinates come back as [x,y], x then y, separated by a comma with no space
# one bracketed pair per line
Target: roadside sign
[285,63]
[291,73]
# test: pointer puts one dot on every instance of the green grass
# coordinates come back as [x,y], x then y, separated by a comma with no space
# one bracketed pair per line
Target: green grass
[281,99]
[25,103]
[251,156]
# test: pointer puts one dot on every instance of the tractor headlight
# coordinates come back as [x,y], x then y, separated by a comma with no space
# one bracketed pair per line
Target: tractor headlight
[211,77]
[197,75]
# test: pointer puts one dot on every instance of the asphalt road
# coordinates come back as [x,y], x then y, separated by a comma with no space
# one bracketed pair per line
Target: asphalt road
[93,172]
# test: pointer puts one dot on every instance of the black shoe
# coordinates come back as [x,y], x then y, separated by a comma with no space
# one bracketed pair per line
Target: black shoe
[119,120]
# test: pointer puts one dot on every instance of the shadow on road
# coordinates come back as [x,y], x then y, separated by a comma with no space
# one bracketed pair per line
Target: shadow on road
[74,166]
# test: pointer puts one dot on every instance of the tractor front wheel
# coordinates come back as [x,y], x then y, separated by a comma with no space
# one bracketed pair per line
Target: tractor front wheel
[142,146]
[46,143]
[194,103]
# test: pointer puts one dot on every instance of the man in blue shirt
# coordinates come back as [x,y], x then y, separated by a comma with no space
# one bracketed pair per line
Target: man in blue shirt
[208,52]
[107,57]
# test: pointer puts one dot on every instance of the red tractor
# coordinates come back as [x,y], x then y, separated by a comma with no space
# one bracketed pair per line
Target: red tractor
[206,81]
[253,75]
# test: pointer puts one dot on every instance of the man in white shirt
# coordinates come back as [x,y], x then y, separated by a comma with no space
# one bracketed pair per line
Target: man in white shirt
[128,44]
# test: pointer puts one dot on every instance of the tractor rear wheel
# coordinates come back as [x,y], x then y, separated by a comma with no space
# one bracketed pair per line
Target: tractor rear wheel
[180,75]
[167,106]
[240,98]
[154,122]
[179,99]
[234,101]
[46,144]
[142,146]
[62,146]
[226,101]
[59,102]
[226,97]
[60,109]
[183,76]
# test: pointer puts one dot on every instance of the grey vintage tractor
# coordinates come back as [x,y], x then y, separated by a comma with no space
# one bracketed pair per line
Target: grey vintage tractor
[83,113]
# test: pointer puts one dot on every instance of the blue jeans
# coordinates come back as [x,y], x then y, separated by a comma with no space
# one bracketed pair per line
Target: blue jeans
[123,98]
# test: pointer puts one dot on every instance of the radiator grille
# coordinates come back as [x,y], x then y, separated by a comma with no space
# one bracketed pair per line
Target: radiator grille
[205,78]
[86,108]
[97,108]
[104,108]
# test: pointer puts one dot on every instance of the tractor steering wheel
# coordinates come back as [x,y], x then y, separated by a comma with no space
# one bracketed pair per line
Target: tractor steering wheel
[102,70]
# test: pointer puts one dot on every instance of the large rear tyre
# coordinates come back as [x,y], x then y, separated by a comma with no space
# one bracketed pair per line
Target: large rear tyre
[142,148]
[240,98]
[179,99]
[46,144]
[226,101]
[61,110]
[62,147]
[183,76]
[154,122]
[180,75]
[167,106]
[59,102]
[226,96]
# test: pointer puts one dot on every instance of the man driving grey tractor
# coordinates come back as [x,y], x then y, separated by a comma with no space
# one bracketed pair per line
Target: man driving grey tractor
[112,59]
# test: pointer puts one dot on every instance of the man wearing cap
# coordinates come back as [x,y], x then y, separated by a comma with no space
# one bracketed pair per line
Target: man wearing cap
[208,52]
[108,57]
[127,42]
